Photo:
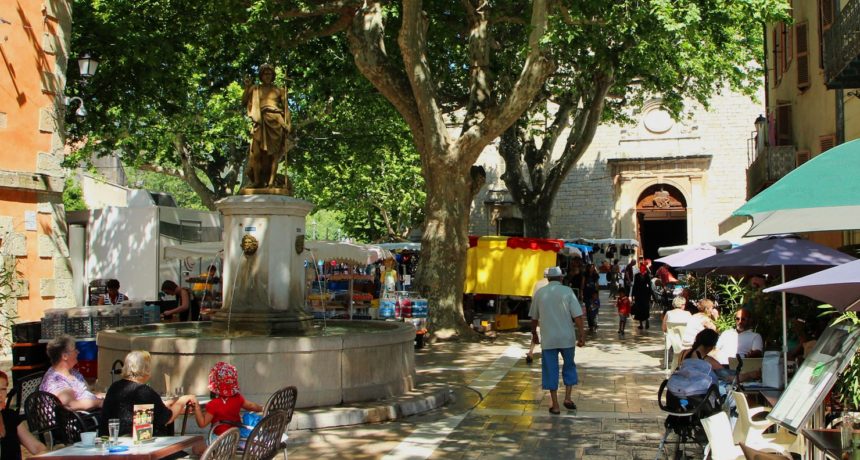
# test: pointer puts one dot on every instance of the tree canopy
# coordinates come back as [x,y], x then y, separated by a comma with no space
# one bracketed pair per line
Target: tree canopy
[612,58]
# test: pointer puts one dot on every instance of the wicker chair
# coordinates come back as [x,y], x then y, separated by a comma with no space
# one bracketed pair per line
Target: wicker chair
[264,441]
[23,389]
[283,400]
[47,418]
[224,447]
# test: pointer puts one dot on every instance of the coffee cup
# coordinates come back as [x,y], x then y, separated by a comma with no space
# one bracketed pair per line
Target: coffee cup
[88,438]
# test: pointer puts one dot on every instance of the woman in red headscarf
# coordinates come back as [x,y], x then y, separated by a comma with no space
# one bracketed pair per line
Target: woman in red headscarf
[227,402]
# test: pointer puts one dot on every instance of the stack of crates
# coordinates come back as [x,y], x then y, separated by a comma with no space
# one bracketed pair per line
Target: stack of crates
[54,323]
[79,323]
[88,358]
[28,355]
[107,317]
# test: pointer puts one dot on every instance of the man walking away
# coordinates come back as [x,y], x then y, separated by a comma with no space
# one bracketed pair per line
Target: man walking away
[556,309]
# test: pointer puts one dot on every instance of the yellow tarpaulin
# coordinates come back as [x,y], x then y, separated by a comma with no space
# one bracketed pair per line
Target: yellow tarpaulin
[494,268]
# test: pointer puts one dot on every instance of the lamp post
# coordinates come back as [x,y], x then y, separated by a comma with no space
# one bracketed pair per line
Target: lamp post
[87,65]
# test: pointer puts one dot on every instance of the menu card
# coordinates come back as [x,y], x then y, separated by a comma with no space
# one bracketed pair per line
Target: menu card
[141,427]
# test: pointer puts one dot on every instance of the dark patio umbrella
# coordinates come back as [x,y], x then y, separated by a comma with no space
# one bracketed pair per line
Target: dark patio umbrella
[839,286]
[773,255]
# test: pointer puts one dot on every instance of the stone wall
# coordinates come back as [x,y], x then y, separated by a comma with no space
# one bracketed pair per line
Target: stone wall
[704,155]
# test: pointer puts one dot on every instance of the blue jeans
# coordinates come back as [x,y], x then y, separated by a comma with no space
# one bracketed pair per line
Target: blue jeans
[549,368]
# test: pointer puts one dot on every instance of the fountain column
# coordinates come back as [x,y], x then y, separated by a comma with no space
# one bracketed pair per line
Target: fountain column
[263,273]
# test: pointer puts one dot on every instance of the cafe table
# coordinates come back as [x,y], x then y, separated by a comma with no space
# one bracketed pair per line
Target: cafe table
[828,441]
[160,447]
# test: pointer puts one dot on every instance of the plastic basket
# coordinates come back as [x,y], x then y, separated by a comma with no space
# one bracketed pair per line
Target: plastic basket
[80,326]
[101,323]
[53,326]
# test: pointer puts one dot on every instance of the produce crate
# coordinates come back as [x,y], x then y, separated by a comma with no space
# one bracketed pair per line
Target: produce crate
[507,322]
[53,326]
[27,332]
[101,323]
[80,326]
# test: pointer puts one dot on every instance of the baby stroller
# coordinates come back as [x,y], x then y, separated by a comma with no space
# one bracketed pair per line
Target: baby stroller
[689,395]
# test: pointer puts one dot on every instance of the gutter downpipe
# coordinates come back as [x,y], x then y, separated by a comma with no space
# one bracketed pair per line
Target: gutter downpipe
[840,98]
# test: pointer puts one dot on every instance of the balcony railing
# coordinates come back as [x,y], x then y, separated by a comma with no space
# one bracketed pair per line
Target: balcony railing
[842,48]
[770,165]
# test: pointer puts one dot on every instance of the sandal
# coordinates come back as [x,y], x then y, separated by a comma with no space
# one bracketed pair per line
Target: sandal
[570,405]
[554,411]
[529,359]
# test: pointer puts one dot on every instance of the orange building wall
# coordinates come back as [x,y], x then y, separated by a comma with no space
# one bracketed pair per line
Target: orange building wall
[31,44]
[21,95]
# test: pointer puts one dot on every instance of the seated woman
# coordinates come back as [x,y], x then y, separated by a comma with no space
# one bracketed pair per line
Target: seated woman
[132,389]
[13,433]
[678,314]
[113,296]
[65,382]
[703,319]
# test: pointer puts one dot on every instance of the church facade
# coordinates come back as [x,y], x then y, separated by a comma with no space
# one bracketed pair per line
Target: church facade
[660,181]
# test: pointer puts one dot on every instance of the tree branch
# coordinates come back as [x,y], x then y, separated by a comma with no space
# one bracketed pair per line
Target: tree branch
[367,46]
[535,72]
[481,79]
[413,44]
[190,174]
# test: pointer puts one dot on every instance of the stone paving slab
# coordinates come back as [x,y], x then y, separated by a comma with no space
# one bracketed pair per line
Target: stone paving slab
[504,412]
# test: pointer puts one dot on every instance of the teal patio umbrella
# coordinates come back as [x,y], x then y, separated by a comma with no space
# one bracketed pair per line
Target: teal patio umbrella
[822,194]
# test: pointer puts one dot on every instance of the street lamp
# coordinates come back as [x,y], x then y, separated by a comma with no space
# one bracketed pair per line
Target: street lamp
[82,111]
[87,65]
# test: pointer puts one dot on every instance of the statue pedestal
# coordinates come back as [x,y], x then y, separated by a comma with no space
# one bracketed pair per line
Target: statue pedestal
[263,289]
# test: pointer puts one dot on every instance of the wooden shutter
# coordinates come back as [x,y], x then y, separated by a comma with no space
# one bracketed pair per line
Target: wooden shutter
[783,125]
[826,143]
[825,20]
[802,157]
[802,49]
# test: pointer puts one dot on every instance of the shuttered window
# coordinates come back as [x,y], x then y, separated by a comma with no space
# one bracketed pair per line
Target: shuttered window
[826,143]
[802,157]
[784,132]
[802,47]
[825,20]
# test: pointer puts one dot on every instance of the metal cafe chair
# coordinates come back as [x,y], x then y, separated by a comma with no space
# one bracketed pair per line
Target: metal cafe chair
[47,417]
[223,447]
[283,400]
[23,389]
[264,441]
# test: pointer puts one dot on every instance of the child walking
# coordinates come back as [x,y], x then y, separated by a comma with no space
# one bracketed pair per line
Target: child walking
[623,305]
[223,411]
[593,310]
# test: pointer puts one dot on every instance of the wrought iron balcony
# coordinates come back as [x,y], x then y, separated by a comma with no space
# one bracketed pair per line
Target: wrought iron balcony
[842,48]
[770,165]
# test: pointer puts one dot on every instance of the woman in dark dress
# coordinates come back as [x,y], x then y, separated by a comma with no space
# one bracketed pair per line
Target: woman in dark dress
[642,296]
[132,389]
[590,286]
[13,433]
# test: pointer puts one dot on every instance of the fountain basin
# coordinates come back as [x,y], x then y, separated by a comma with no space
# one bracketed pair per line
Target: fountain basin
[351,361]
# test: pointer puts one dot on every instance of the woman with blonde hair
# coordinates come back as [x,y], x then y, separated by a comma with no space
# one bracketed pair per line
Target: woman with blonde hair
[132,389]
[702,320]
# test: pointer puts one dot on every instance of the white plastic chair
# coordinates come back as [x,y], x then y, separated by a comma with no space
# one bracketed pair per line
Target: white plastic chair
[673,335]
[718,429]
[747,430]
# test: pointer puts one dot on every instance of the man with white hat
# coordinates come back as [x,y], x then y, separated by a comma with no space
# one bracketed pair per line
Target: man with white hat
[556,309]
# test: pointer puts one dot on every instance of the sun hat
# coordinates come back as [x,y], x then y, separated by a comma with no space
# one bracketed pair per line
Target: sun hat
[224,379]
[553,272]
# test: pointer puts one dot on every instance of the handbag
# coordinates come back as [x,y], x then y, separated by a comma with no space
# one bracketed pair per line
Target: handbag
[249,421]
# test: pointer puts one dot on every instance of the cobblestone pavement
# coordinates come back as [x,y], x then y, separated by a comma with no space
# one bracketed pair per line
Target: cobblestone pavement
[502,412]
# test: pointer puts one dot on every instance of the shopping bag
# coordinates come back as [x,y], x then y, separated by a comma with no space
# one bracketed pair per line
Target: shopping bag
[771,370]
[249,421]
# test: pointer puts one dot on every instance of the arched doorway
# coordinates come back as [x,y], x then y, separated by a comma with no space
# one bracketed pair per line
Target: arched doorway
[661,215]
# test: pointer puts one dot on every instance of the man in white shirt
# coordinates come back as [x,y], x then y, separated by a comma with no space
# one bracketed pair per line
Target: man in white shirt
[556,309]
[539,284]
[740,340]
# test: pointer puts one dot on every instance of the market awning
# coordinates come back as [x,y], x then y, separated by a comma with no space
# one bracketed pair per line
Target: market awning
[347,253]
[207,250]
[822,194]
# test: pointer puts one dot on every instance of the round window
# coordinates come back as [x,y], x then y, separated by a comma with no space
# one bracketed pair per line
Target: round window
[658,121]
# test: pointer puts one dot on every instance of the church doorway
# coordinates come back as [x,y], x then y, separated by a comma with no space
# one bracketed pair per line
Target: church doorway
[661,214]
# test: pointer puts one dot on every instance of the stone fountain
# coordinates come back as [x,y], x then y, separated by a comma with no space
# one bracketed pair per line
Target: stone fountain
[263,327]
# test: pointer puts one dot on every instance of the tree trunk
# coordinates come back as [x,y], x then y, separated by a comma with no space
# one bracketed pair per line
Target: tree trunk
[443,248]
[536,220]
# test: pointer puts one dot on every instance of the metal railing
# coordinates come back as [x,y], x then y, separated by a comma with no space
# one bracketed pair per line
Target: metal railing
[770,165]
[842,44]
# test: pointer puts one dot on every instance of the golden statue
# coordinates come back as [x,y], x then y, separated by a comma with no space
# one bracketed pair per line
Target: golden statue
[267,108]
